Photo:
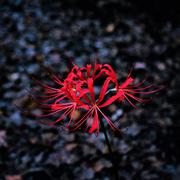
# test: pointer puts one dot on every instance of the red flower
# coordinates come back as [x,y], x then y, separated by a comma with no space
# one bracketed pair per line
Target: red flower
[77,92]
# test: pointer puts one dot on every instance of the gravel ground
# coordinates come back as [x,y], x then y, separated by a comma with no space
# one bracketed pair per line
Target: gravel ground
[36,34]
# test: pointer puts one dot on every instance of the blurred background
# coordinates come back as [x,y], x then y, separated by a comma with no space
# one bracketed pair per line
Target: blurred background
[123,33]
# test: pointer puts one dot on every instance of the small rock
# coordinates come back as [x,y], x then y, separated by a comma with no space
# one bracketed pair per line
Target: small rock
[161,66]
[70,147]
[47,137]
[14,76]
[140,65]
[124,147]
[3,138]
[13,177]
[110,28]
[88,173]
[39,157]
[133,130]
[16,118]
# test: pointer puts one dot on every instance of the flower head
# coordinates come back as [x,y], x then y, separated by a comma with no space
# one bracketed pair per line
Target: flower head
[78,91]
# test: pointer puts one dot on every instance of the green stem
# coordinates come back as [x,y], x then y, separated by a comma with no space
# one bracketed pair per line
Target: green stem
[109,149]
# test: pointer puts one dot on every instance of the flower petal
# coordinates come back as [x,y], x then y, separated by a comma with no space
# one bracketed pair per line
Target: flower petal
[103,90]
[91,88]
[95,124]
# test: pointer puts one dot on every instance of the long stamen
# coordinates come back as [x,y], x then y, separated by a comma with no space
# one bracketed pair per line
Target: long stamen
[82,120]
[68,111]
[109,121]
[130,102]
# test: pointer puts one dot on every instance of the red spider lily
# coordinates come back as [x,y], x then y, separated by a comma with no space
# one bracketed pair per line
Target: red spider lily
[76,92]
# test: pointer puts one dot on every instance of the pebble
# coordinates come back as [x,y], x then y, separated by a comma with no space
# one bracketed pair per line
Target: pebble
[16,118]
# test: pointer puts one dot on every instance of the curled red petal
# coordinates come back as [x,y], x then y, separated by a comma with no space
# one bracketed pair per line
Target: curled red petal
[91,88]
[95,124]
[128,81]
[111,100]
[103,90]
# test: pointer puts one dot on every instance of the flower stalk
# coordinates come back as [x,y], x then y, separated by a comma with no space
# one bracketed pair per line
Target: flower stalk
[106,136]
[111,157]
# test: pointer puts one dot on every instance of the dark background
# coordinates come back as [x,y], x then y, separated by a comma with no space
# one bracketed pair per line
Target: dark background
[45,33]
